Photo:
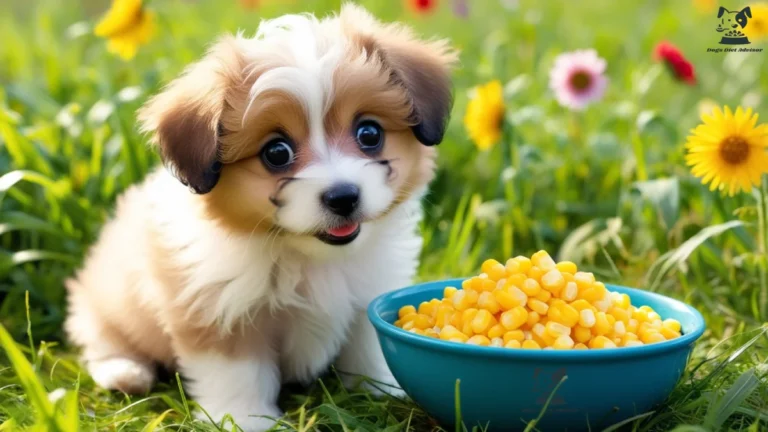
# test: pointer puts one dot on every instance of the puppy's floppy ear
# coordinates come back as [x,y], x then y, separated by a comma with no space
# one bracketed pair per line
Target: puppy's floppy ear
[721,11]
[185,117]
[421,67]
[746,11]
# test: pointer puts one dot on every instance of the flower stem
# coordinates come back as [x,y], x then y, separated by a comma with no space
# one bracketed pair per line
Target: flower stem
[762,241]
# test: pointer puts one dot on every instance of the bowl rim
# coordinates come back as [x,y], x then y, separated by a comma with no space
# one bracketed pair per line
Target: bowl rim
[383,327]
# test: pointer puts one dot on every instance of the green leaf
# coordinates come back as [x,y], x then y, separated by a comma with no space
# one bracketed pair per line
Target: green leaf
[724,407]
[664,194]
[678,256]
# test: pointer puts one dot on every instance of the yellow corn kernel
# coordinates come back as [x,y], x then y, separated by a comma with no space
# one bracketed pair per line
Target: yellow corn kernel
[489,285]
[553,281]
[568,315]
[467,317]
[646,308]
[514,318]
[517,335]
[640,315]
[496,330]
[535,273]
[653,316]
[494,269]
[538,306]
[587,318]
[601,342]
[669,333]
[479,340]
[602,325]
[633,343]
[533,318]
[652,336]
[512,344]
[516,279]
[460,339]
[482,321]
[405,311]
[581,304]
[633,325]
[530,287]
[423,321]
[487,301]
[463,300]
[619,329]
[456,319]
[427,308]
[541,336]
[530,344]
[584,280]
[570,292]
[408,325]
[672,324]
[505,300]
[543,295]
[431,332]
[563,342]
[512,267]
[418,331]
[525,263]
[567,267]
[465,284]
[623,301]
[582,334]
[628,337]
[443,315]
[398,323]
[542,260]
[449,332]
[497,342]
[580,346]
[556,329]
[620,314]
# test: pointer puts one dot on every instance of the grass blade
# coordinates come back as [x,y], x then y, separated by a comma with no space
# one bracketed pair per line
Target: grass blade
[733,398]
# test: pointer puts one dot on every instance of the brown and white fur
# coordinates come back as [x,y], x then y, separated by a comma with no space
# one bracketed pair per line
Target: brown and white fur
[215,266]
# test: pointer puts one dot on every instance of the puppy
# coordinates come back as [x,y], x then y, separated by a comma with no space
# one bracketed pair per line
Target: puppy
[295,164]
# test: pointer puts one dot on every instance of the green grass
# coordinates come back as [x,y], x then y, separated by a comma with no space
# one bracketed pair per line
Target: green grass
[607,188]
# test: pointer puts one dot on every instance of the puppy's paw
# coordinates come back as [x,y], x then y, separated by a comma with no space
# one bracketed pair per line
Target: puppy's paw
[123,374]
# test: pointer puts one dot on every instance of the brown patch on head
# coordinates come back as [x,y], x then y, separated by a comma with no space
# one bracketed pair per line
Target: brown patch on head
[184,117]
[243,198]
[422,68]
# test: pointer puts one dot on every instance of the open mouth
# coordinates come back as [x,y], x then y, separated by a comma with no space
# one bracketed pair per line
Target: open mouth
[342,235]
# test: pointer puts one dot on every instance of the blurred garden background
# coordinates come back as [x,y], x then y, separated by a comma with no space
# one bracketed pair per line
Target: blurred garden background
[603,183]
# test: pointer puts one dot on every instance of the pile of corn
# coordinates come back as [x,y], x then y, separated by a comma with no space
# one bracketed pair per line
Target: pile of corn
[536,304]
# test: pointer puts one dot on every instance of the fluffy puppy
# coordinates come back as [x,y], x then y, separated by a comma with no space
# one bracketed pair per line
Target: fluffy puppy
[296,160]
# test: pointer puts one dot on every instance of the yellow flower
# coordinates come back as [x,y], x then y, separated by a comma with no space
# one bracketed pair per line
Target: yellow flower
[484,115]
[704,6]
[126,26]
[728,151]
[757,26]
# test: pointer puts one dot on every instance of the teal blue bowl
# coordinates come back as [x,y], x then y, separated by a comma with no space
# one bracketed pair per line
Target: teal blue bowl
[506,388]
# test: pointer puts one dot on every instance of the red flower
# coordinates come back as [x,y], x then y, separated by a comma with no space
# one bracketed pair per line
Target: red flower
[422,6]
[680,67]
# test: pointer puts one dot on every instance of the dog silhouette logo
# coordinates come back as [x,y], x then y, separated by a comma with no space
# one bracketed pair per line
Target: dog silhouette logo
[731,24]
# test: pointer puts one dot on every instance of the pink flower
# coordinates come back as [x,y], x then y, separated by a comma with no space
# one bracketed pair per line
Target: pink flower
[578,79]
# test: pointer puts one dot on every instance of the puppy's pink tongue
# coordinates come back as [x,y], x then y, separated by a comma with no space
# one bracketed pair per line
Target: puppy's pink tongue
[343,231]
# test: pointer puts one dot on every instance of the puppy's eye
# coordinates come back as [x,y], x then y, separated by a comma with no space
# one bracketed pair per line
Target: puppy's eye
[277,154]
[369,135]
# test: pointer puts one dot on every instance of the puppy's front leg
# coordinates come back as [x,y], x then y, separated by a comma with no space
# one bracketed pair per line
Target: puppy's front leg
[240,378]
[362,355]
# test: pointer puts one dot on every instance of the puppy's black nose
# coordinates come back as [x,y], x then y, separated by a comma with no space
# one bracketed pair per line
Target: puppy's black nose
[342,198]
